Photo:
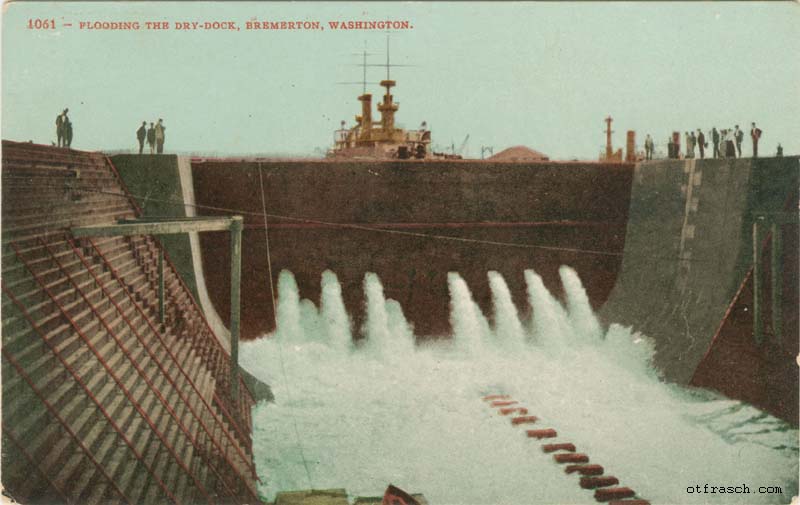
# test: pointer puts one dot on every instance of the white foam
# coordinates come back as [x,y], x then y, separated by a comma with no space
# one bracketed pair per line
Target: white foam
[386,412]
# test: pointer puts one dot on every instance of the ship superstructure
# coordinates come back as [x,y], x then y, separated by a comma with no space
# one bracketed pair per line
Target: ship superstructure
[381,139]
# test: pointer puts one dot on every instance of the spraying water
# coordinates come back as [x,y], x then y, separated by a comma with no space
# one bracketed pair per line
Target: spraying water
[336,322]
[392,412]
[507,326]
[470,328]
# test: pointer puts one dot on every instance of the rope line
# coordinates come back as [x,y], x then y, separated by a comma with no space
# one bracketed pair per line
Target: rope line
[575,250]
[275,315]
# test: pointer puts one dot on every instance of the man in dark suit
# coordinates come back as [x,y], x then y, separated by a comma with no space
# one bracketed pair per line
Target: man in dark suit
[715,140]
[151,138]
[755,134]
[701,143]
[141,133]
[738,136]
[60,120]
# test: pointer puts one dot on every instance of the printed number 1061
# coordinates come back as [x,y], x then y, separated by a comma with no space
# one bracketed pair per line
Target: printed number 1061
[41,24]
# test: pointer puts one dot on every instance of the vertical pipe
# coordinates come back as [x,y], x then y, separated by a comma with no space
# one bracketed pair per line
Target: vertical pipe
[776,284]
[756,285]
[237,223]
[161,283]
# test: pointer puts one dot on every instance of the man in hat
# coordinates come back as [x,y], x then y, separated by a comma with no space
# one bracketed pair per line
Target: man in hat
[160,136]
[755,134]
[141,134]
[60,120]
[701,143]
[151,138]
[738,136]
[715,141]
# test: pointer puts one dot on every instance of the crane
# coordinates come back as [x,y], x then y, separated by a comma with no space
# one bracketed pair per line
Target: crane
[461,148]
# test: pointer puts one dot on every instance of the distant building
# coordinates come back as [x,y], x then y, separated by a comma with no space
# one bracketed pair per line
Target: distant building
[519,154]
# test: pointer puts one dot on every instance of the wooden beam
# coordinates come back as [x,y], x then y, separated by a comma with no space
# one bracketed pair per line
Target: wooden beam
[171,227]
[237,225]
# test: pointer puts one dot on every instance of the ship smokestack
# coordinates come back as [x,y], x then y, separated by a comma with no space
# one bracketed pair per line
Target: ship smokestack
[631,146]
[366,116]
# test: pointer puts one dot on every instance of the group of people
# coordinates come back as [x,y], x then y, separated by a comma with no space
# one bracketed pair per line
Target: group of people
[725,143]
[64,129]
[728,143]
[154,136]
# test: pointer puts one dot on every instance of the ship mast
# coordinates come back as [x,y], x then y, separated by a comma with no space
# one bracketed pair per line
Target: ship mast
[387,107]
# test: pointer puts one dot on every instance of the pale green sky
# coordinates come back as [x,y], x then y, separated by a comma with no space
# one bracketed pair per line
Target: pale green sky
[539,74]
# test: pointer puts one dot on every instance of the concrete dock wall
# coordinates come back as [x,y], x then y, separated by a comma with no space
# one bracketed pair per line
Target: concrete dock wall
[688,249]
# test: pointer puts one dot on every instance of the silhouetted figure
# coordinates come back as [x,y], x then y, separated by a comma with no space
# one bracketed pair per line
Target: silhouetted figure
[141,134]
[151,138]
[715,140]
[648,148]
[755,134]
[692,144]
[67,132]
[701,143]
[779,154]
[60,120]
[738,136]
[160,136]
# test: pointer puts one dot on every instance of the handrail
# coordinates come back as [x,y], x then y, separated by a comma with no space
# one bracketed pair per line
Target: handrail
[160,366]
[213,338]
[136,367]
[119,279]
[7,432]
[202,314]
[105,365]
[80,381]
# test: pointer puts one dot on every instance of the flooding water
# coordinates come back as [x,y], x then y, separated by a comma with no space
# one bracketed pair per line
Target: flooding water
[389,411]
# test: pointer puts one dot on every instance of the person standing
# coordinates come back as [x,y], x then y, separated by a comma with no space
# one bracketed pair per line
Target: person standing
[688,142]
[701,143]
[60,127]
[755,134]
[67,132]
[160,136]
[730,144]
[151,138]
[715,140]
[738,136]
[779,154]
[141,134]
[648,147]
[693,141]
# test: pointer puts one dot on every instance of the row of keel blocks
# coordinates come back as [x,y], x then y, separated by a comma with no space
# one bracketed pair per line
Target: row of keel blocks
[606,487]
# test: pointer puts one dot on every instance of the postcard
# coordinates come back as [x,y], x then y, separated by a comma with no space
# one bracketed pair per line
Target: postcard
[400,253]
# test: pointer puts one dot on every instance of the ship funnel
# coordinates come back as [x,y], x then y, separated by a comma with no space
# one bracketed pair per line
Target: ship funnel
[366,115]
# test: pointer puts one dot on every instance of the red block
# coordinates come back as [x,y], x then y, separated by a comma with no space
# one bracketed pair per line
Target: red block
[595,482]
[495,397]
[585,469]
[503,403]
[558,447]
[613,493]
[524,420]
[546,433]
[571,458]
[510,410]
